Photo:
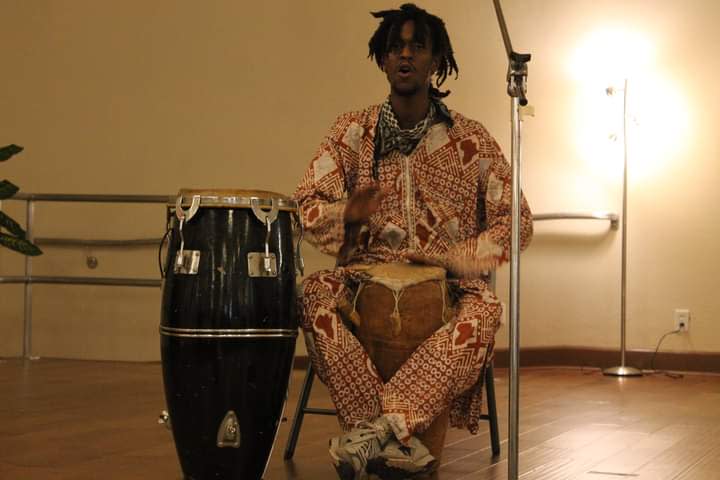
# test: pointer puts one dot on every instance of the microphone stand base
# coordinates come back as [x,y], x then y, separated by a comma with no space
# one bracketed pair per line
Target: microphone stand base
[623,372]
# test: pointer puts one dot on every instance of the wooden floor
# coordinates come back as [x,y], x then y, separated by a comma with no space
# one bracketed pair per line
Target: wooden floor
[79,420]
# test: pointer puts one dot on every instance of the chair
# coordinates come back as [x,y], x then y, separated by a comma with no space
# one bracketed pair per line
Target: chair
[302,409]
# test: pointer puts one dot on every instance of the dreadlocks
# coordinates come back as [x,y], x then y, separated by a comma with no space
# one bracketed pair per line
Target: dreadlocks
[388,32]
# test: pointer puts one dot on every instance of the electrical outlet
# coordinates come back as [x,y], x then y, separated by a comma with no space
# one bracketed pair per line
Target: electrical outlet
[681,319]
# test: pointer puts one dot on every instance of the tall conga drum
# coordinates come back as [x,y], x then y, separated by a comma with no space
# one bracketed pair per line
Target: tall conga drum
[228,328]
[400,305]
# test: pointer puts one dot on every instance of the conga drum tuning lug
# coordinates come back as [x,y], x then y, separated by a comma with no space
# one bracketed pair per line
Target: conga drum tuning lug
[299,265]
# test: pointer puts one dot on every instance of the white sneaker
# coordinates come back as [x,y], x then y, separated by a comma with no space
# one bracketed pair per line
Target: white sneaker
[398,461]
[350,452]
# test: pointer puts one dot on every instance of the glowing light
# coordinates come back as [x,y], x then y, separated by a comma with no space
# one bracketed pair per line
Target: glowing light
[658,121]
[611,54]
[660,128]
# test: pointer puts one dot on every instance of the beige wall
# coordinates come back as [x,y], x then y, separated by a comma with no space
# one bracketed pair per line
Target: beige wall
[147,97]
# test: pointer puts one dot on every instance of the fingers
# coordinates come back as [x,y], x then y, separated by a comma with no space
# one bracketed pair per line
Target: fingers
[346,251]
[363,203]
[472,267]
[376,198]
[416,257]
[350,243]
[422,259]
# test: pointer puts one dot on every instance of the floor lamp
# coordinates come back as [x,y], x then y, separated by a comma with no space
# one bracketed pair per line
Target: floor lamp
[623,370]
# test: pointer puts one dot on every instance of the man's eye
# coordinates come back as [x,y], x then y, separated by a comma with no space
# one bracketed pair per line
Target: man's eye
[419,46]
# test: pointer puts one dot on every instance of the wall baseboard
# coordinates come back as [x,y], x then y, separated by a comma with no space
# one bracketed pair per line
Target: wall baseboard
[708,362]
[605,358]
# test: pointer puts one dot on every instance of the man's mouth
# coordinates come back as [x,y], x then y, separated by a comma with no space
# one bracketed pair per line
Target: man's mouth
[405,70]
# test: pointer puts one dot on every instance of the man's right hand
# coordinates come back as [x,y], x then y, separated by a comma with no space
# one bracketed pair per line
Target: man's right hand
[358,209]
[362,204]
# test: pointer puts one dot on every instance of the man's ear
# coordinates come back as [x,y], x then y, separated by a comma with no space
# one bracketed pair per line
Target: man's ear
[435,65]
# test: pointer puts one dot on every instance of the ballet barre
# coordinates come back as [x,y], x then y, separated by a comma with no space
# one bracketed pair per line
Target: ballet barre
[28,279]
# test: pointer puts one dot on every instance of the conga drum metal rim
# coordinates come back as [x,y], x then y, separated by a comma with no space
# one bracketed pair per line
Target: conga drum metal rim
[229,197]
[228,332]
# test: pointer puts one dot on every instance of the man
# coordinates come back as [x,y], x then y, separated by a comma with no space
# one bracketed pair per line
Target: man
[406,181]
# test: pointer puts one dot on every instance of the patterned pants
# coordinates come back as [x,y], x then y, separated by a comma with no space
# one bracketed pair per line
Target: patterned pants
[444,371]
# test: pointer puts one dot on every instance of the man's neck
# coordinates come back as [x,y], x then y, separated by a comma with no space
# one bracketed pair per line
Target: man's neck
[410,110]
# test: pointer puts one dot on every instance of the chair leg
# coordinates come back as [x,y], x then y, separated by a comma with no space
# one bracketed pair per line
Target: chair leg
[492,410]
[299,413]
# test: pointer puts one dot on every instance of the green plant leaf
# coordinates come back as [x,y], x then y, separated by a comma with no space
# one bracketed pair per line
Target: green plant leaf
[7,189]
[8,151]
[11,225]
[19,245]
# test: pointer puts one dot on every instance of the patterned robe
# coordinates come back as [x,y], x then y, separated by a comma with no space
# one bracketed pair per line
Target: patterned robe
[449,199]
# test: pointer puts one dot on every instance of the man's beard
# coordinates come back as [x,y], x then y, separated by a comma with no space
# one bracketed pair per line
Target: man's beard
[409,90]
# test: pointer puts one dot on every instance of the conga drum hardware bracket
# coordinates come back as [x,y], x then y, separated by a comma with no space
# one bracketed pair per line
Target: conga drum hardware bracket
[267,265]
[190,212]
[261,264]
[229,431]
[299,261]
[262,215]
[164,419]
[269,262]
[186,262]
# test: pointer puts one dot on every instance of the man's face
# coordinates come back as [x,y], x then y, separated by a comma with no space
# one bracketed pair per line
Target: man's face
[409,63]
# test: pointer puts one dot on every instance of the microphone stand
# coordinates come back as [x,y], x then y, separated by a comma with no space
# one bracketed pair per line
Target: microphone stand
[517,87]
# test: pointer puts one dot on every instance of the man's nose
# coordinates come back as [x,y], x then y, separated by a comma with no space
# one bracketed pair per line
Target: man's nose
[407,51]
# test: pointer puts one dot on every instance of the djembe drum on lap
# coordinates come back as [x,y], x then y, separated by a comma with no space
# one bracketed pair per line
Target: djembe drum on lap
[399,307]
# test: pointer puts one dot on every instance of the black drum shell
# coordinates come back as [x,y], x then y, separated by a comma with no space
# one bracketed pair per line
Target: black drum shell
[235,343]
[206,378]
[222,295]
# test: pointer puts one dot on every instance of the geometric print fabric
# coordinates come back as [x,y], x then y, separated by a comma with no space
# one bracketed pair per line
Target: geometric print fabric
[449,200]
